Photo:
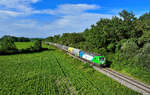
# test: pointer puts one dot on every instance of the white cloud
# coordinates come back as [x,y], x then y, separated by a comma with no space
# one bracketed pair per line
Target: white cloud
[26,27]
[140,13]
[24,8]
[115,11]
[74,23]
[74,8]
[20,7]
[72,18]
[35,1]
[9,13]
[17,3]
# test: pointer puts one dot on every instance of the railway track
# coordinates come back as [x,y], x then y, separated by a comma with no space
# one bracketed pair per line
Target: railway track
[122,79]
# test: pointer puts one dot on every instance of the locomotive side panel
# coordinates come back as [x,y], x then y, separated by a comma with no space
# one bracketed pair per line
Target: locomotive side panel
[87,57]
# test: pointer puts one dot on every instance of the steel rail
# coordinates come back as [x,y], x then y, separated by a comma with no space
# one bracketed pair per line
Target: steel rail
[123,79]
[130,83]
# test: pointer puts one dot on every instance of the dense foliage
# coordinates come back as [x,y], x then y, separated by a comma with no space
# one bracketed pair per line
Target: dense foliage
[37,45]
[8,46]
[16,39]
[126,36]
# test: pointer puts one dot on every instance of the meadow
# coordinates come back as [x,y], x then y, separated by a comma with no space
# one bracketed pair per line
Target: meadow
[53,72]
[23,45]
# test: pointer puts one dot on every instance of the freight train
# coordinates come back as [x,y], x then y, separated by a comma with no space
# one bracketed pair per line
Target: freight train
[90,57]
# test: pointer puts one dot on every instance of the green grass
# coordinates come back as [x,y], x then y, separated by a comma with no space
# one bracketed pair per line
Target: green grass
[53,72]
[23,45]
[132,70]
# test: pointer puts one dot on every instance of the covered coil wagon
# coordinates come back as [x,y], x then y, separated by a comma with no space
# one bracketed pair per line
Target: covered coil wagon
[74,51]
[65,48]
[93,58]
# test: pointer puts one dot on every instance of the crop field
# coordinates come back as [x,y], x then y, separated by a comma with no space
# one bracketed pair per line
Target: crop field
[23,45]
[53,72]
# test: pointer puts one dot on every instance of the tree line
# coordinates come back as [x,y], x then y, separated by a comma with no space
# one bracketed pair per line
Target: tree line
[126,38]
[16,39]
[8,46]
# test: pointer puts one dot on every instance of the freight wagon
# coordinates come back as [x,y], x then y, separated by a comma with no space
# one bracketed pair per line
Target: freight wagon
[93,58]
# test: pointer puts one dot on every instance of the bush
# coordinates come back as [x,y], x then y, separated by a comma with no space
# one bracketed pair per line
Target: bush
[37,45]
[102,51]
[144,56]
[144,39]
[119,44]
[111,47]
[129,48]
[8,44]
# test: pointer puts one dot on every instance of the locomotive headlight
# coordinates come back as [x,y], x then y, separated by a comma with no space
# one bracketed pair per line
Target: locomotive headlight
[102,60]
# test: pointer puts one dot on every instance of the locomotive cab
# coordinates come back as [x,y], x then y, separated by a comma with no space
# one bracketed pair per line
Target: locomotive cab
[99,60]
[102,59]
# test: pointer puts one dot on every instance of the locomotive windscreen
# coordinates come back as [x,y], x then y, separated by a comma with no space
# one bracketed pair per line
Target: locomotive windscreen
[101,59]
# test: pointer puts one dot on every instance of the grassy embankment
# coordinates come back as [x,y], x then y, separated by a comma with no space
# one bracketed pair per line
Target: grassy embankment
[53,72]
[132,70]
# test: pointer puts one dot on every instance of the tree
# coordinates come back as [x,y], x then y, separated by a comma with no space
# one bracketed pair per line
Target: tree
[72,38]
[128,17]
[145,38]
[49,39]
[16,39]
[129,48]
[37,45]
[131,26]
[145,18]
[144,56]
[56,38]
[8,44]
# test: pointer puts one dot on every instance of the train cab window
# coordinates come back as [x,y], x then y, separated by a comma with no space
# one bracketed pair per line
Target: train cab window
[101,59]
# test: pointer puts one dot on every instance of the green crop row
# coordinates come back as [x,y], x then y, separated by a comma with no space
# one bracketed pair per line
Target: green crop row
[53,72]
[87,80]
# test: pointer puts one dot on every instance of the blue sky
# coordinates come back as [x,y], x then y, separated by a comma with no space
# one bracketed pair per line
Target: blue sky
[43,18]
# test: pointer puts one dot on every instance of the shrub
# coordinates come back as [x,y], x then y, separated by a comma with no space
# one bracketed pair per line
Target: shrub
[8,44]
[129,48]
[111,47]
[144,56]
[37,45]
[144,39]
[119,44]
[102,51]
